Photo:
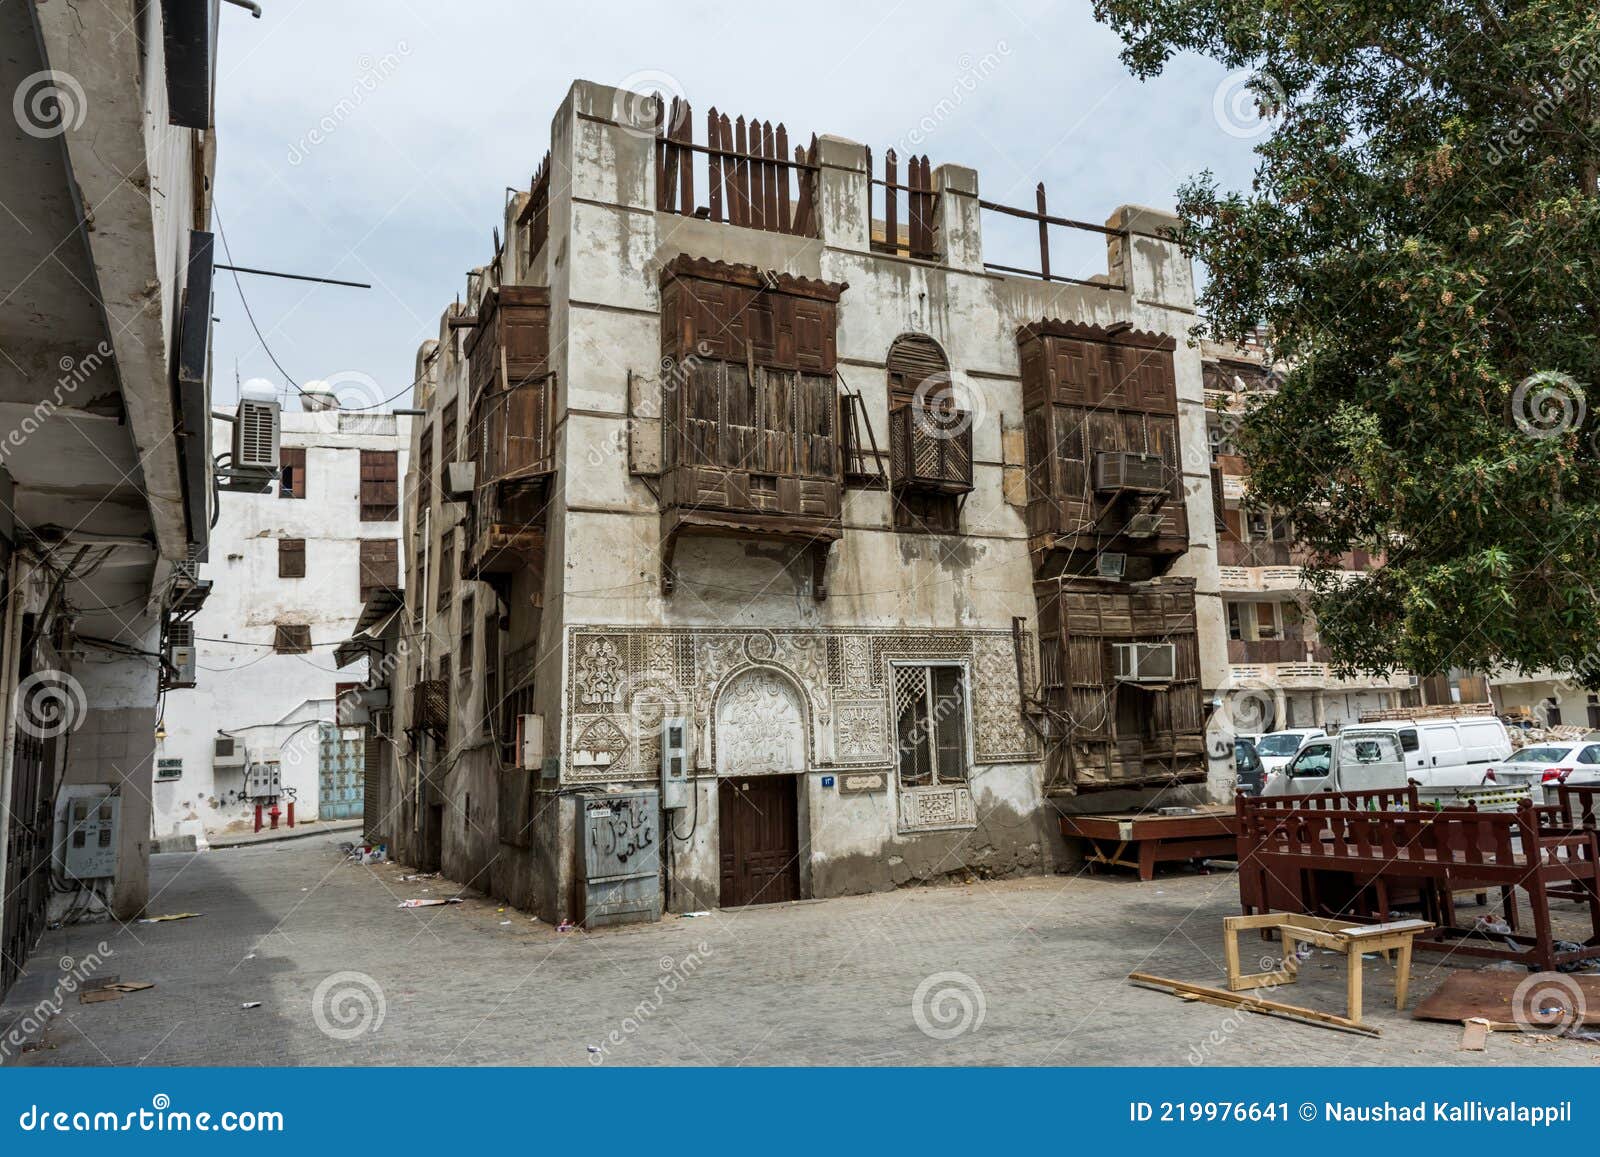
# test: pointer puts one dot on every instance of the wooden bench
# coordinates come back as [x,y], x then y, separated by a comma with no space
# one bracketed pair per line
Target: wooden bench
[1142,840]
[1306,857]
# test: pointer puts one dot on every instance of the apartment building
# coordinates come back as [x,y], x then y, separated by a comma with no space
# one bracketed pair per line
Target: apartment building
[269,721]
[1277,671]
[775,541]
[105,456]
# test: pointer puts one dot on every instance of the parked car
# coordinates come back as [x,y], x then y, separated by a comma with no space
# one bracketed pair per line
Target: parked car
[1357,759]
[1277,748]
[1249,775]
[1548,763]
[1443,755]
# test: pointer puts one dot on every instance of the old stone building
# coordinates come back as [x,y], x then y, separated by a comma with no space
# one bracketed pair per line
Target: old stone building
[742,444]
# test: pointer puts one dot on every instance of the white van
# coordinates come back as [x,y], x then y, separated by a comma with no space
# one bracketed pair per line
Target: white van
[1357,759]
[1443,755]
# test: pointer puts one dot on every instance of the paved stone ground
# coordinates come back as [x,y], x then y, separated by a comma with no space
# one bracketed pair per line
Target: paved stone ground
[829,982]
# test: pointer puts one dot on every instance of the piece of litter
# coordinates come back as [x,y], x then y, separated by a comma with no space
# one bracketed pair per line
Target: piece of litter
[565,926]
[251,1004]
[692,915]
[173,916]
[593,1048]
[503,923]
[130,985]
[428,903]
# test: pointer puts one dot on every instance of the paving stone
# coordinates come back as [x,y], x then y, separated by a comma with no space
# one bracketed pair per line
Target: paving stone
[1015,972]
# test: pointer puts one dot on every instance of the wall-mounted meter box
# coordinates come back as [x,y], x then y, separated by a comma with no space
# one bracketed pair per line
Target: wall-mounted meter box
[263,780]
[89,851]
[675,731]
[530,742]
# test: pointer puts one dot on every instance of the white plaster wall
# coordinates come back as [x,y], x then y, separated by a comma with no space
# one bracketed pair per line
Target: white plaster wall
[271,701]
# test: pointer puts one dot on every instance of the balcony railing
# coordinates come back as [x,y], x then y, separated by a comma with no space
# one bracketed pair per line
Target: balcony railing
[1232,552]
[931,448]
[1276,651]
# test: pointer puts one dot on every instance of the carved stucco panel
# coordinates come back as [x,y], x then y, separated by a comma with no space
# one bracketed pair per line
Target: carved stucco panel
[761,726]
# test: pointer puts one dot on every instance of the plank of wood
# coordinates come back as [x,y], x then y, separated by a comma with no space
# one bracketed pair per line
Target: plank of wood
[1469,993]
[1474,1035]
[1254,1003]
[1362,931]
[98,995]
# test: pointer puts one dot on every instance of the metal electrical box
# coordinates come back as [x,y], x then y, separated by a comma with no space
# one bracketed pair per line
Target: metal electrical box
[619,838]
[530,742]
[263,780]
[90,850]
[674,763]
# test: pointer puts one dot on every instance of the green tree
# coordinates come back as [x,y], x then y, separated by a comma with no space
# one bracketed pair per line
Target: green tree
[1420,244]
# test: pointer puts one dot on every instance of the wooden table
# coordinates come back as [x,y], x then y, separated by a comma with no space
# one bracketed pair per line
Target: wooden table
[1141,840]
[1341,936]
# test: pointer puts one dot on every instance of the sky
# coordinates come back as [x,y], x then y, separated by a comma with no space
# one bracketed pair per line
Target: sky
[374,142]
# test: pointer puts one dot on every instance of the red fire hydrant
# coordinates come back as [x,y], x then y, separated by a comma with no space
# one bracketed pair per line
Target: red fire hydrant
[273,813]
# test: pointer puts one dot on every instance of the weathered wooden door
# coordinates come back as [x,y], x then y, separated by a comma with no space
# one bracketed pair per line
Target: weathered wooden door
[759,826]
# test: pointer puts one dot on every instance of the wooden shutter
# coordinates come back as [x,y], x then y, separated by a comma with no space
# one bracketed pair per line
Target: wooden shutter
[291,558]
[291,472]
[380,485]
[292,639]
[380,566]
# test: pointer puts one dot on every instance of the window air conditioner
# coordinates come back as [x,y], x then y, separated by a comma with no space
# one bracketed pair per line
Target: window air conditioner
[1146,662]
[1110,566]
[1116,470]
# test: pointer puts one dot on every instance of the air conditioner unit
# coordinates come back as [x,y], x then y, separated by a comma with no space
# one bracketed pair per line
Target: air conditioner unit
[255,435]
[530,742]
[227,752]
[180,655]
[1110,565]
[1146,662]
[459,479]
[1116,470]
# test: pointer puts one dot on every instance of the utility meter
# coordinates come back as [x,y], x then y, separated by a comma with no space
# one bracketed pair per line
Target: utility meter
[674,763]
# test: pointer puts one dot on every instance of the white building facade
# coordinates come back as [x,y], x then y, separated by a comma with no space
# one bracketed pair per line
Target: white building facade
[292,569]
[871,632]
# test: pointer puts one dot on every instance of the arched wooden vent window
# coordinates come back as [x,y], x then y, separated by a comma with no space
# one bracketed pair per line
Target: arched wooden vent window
[930,438]
[913,358]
